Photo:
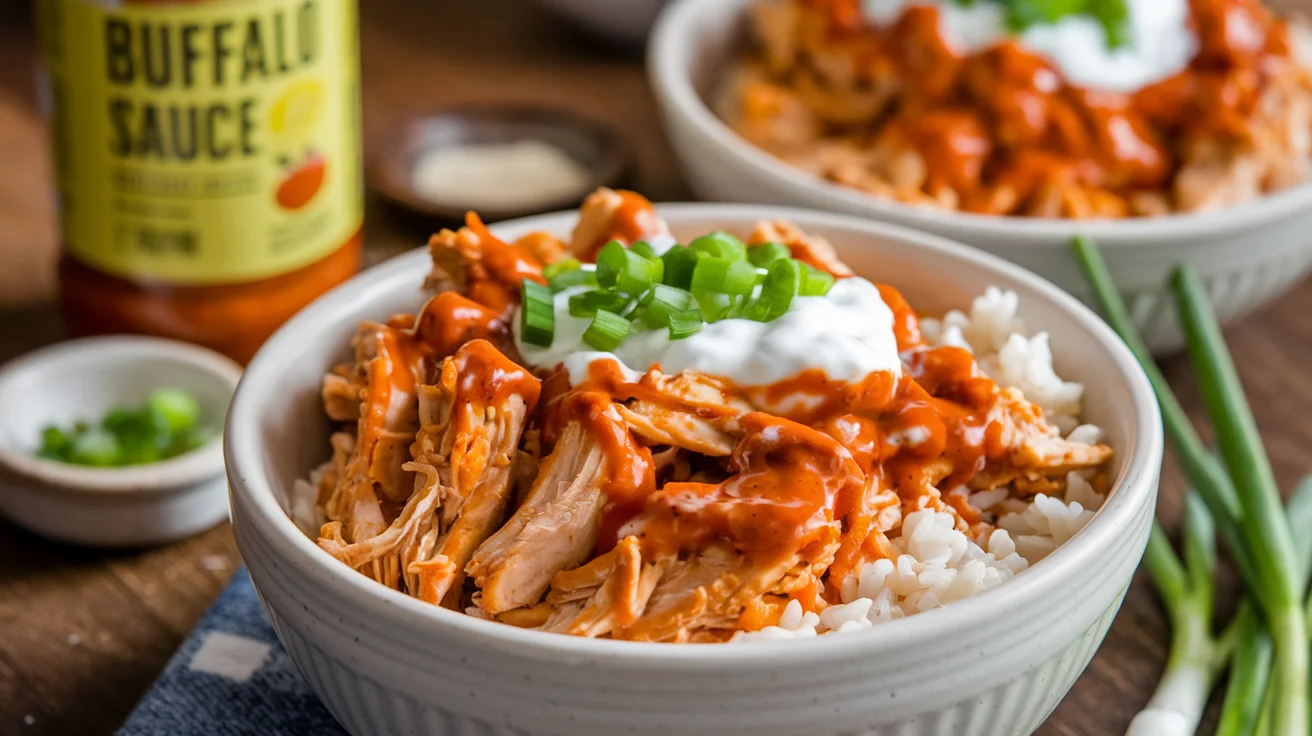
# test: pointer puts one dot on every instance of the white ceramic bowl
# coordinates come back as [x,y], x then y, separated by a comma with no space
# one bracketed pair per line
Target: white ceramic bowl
[622,21]
[110,507]
[1247,255]
[385,663]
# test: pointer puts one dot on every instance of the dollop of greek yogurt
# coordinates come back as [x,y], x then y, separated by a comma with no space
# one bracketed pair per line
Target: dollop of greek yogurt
[1159,45]
[848,334]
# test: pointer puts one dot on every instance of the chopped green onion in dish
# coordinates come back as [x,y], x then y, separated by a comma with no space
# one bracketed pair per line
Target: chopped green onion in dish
[763,255]
[685,323]
[680,261]
[720,244]
[723,276]
[663,302]
[587,303]
[537,314]
[713,278]
[165,425]
[568,273]
[814,282]
[782,282]
[553,271]
[644,249]
[1021,15]
[611,261]
[607,330]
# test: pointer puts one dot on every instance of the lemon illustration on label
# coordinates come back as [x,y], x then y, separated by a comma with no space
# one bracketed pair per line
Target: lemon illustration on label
[294,116]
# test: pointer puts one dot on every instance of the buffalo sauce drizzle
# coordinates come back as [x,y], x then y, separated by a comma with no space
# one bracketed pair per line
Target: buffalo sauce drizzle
[498,269]
[792,475]
[997,125]
[787,483]
[634,219]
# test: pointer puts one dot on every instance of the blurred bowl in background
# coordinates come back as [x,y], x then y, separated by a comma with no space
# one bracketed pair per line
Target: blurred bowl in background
[393,158]
[625,21]
[1247,255]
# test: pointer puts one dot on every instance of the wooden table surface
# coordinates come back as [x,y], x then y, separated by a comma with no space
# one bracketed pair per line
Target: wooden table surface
[83,633]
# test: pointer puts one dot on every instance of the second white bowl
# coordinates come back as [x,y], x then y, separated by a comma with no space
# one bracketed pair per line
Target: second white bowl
[1247,255]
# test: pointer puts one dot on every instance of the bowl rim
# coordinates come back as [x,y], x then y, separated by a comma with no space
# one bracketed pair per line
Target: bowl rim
[1134,488]
[189,468]
[669,53]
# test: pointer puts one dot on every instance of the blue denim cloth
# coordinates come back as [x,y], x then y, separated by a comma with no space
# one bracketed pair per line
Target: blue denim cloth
[231,677]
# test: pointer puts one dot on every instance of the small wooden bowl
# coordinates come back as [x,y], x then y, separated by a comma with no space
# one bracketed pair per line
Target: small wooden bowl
[394,153]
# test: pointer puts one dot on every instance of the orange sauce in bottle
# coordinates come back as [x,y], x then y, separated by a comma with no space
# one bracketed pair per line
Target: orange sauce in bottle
[208,160]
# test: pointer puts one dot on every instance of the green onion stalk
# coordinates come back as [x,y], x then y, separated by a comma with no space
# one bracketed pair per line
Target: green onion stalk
[1247,698]
[1266,530]
[1196,658]
[1240,494]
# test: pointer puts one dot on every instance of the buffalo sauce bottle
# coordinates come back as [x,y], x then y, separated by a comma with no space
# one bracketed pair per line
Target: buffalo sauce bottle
[207,154]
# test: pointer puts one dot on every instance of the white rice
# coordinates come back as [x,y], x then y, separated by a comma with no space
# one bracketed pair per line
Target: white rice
[1008,353]
[939,564]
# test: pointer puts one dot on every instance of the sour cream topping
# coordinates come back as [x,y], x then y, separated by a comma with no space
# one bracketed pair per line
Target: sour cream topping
[1160,41]
[847,333]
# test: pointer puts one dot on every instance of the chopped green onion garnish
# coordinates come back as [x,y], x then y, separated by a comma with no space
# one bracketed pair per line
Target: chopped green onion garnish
[679,264]
[782,282]
[720,244]
[610,262]
[587,303]
[607,330]
[643,249]
[685,323]
[714,305]
[178,409]
[814,281]
[552,270]
[96,447]
[624,269]
[54,441]
[763,255]
[164,425]
[1020,15]
[663,302]
[735,278]
[537,314]
[570,279]
[640,274]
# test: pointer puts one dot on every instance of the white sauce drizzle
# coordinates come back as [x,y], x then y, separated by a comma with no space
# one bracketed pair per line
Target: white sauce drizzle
[848,334]
[1159,44]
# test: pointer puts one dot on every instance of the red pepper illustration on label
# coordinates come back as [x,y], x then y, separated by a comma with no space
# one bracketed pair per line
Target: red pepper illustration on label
[300,184]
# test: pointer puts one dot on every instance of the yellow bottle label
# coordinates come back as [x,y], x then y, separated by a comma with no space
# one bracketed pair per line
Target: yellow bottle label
[204,143]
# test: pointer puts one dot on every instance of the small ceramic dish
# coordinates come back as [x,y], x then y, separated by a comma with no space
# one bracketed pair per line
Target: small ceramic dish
[396,152]
[110,507]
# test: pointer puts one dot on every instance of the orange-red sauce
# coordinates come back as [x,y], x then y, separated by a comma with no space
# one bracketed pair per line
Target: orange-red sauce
[787,482]
[634,220]
[791,477]
[998,126]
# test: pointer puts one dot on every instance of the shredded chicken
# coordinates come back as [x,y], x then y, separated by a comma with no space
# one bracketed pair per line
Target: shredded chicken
[608,215]
[663,507]
[554,529]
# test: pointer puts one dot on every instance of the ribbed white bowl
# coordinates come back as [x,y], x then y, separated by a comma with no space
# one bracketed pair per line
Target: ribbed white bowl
[991,665]
[1247,255]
